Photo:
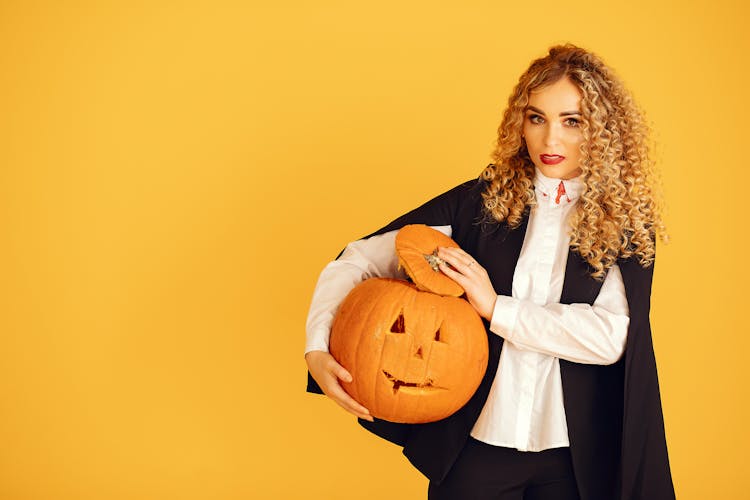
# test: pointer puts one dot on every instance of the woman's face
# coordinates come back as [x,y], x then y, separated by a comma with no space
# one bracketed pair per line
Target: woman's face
[551,129]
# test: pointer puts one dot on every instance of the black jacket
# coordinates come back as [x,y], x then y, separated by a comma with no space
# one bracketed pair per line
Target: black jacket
[613,412]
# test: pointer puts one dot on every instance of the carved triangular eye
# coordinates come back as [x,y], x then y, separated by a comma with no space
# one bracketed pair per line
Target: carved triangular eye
[437,335]
[399,325]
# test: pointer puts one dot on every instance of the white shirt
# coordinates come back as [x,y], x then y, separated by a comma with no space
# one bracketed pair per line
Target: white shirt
[524,409]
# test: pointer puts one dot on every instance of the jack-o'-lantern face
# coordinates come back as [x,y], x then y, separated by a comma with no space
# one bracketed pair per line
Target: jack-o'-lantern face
[414,356]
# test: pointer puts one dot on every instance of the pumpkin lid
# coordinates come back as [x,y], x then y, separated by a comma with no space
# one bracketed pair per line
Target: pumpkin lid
[416,247]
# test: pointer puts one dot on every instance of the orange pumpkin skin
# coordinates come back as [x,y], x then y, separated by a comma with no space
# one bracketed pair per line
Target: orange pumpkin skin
[414,356]
[416,246]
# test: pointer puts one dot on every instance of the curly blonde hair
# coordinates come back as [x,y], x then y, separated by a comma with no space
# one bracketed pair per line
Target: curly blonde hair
[619,213]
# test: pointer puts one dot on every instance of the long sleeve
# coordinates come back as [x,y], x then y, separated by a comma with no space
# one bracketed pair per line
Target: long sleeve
[582,333]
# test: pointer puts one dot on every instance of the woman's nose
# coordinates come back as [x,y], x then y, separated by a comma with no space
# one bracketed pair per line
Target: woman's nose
[552,135]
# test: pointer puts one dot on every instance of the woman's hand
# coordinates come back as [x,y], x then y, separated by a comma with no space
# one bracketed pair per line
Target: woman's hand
[472,277]
[326,371]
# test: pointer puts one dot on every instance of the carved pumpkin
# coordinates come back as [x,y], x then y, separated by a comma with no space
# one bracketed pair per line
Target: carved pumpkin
[414,356]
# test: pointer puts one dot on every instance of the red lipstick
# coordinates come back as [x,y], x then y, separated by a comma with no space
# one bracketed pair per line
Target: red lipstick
[551,159]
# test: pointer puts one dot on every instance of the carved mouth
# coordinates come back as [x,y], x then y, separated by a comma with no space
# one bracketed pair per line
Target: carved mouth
[414,387]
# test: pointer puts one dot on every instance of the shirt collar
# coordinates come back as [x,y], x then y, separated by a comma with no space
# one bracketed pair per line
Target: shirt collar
[550,188]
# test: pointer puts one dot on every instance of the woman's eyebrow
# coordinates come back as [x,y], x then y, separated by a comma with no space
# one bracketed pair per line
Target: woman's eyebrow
[564,113]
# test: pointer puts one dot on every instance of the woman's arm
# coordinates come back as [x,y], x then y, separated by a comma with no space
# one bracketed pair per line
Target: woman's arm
[360,260]
[582,333]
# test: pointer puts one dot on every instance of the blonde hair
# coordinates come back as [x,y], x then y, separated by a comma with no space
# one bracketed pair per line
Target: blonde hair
[619,213]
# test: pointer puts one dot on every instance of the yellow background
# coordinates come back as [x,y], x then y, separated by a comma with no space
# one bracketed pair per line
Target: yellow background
[174,175]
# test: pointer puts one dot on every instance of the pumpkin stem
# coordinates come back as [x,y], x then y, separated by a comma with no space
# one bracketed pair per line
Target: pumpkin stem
[434,260]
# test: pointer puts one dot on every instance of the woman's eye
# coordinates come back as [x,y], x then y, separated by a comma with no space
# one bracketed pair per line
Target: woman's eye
[536,119]
[572,122]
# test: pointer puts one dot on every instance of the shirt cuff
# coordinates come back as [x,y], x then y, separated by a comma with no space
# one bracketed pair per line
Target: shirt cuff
[317,342]
[504,316]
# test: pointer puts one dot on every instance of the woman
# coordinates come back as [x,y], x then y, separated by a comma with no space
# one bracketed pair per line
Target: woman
[557,242]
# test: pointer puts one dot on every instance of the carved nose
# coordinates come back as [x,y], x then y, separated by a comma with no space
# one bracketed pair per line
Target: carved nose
[418,353]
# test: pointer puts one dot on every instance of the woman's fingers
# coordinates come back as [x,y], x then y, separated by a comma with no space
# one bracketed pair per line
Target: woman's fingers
[341,373]
[339,395]
[458,258]
[464,270]
[452,273]
[327,371]
[462,267]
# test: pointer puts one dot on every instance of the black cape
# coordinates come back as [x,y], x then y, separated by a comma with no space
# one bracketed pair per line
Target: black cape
[613,412]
